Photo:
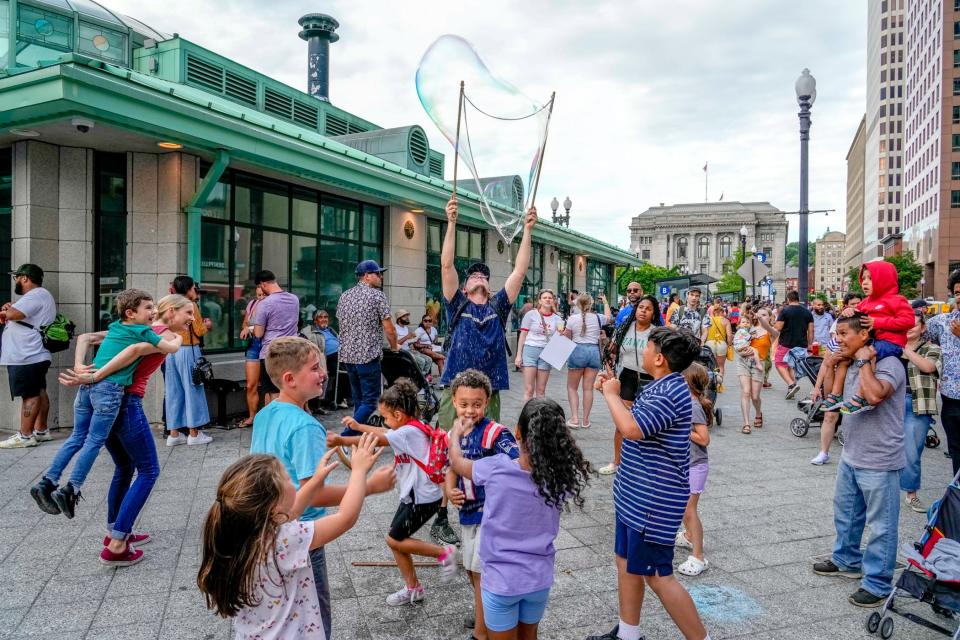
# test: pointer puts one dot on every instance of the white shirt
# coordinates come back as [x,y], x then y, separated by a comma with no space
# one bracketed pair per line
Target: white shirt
[631,351]
[402,332]
[427,337]
[23,345]
[409,442]
[591,335]
[539,327]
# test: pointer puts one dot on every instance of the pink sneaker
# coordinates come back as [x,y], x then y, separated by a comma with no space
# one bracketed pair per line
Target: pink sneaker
[126,558]
[135,539]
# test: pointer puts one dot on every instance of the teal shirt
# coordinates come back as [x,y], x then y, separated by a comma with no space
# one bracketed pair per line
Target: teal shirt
[297,438]
[119,337]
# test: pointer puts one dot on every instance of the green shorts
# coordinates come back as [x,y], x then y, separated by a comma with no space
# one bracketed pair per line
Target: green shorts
[448,414]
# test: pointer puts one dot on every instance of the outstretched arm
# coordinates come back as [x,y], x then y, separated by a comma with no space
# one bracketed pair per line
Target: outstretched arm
[522,261]
[449,280]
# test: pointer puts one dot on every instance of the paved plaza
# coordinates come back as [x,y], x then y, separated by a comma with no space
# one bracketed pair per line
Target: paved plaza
[766,513]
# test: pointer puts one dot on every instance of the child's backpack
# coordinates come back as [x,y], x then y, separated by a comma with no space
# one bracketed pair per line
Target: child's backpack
[436,465]
[57,335]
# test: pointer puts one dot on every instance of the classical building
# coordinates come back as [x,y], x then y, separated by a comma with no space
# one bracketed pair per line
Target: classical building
[853,254]
[831,248]
[699,237]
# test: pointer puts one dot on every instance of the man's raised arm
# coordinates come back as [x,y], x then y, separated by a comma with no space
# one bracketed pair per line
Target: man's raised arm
[449,279]
[522,261]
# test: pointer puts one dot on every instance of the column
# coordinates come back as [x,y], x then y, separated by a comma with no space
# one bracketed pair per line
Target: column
[406,260]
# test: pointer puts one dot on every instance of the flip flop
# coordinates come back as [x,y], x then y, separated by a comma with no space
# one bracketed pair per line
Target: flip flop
[746,429]
[758,422]
[573,425]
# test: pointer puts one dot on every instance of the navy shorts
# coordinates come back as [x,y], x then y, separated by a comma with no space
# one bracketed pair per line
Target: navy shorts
[643,558]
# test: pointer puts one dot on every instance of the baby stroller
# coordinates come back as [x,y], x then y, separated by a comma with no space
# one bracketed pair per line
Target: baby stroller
[813,412]
[920,580]
[708,360]
[401,364]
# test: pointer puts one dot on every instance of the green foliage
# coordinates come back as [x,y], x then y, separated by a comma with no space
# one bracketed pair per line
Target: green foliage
[792,254]
[731,282]
[909,272]
[646,274]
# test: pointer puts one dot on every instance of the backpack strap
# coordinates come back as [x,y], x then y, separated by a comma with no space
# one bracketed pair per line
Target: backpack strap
[459,314]
[490,434]
[27,324]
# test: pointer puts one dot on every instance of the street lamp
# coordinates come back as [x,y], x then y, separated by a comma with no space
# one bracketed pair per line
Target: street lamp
[743,258]
[561,219]
[554,205]
[753,276]
[806,87]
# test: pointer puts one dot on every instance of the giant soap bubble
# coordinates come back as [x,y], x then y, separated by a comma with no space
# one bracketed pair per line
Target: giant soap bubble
[501,131]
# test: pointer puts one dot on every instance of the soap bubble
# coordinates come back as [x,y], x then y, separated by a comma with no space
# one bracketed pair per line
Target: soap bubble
[502,131]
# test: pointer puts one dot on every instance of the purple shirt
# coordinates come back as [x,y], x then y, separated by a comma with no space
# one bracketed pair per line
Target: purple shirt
[517,531]
[278,314]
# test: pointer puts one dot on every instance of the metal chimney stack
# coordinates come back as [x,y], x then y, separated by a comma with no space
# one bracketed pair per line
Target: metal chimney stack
[319,31]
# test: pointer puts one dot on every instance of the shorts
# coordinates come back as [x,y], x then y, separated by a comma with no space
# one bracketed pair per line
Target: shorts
[253,349]
[718,347]
[779,357]
[409,517]
[266,384]
[531,358]
[470,547]
[698,478]
[447,414]
[886,349]
[632,383]
[748,368]
[502,613]
[584,356]
[643,558]
[27,380]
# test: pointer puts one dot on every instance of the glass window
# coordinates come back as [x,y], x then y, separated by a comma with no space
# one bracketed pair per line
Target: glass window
[956,58]
[215,278]
[598,279]
[955,170]
[372,224]
[340,218]
[260,202]
[110,220]
[6,231]
[703,247]
[305,211]
[564,273]
[955,141]
[726,247]
[956,115]
[681,248]
[955,199]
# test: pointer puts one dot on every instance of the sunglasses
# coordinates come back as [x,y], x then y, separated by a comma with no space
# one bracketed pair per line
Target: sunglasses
[633,290]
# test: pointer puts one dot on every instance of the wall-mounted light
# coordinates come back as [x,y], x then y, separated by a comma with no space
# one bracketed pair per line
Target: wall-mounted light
[25,133]
[408,229]
[170,145]
[500,246]
[416,210]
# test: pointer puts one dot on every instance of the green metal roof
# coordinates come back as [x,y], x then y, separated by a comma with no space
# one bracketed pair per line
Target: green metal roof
[161,109]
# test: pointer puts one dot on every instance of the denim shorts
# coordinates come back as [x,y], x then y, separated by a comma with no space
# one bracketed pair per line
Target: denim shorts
[585,356]
[531,358]
[643,558]
[253,349]
[502,613]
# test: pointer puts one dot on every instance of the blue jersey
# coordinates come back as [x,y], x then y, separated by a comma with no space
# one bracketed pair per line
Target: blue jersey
[474,447]
[477,341]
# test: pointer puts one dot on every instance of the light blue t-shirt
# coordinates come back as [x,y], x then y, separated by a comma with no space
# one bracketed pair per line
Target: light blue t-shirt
[285,430]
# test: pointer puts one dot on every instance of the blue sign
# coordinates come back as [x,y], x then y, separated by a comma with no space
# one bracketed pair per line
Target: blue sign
[664,291]
[762,257]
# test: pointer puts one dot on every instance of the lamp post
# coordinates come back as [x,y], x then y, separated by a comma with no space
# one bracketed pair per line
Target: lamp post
[753,276]
[561,219]
[806,87]
[554,205]
[743,258]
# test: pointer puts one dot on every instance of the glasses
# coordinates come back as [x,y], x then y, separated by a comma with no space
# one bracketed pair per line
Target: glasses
[428,322]
[633,290]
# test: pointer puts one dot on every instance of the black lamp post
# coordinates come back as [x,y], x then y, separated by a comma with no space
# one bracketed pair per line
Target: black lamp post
[806,87]
[743,259]
[561,219]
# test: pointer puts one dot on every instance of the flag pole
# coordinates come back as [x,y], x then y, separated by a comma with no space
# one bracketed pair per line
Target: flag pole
[706,181]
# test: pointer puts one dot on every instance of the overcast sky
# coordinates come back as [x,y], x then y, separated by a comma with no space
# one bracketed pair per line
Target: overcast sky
[646,91]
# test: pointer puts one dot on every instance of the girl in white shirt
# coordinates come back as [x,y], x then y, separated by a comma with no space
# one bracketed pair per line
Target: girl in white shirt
[536,329]
[427,342]
[585,328]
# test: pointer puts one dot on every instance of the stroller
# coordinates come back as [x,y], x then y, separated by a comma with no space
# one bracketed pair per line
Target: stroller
[919,581]
[813,412]
[708,360]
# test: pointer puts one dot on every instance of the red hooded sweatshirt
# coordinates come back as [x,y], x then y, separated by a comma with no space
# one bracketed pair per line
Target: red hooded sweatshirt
[892,314]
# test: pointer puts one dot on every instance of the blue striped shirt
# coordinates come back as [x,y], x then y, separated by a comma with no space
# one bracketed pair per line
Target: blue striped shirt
[652,486]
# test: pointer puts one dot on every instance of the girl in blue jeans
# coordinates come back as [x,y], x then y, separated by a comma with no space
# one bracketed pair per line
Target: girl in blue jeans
[923,364]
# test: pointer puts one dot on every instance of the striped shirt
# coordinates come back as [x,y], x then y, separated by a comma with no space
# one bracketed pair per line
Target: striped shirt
[651,489]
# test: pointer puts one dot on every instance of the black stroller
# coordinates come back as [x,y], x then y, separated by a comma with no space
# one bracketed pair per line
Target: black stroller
[920,580]
[708,360]
[813,412]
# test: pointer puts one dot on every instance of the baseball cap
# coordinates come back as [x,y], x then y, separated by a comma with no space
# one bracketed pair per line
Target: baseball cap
[400,313]
[32,271]
[264,276]
[479,267]
[369,266]
[919,304]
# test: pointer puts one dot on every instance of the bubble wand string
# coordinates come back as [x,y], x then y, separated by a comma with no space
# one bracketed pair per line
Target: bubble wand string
[546,131]
[456,144]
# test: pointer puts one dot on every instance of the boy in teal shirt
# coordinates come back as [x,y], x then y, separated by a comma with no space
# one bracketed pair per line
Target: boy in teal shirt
[97,405]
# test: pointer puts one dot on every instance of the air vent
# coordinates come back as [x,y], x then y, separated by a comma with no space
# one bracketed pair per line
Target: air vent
[204,74]
[277,104]
[355,128]
[213,77]
[305,114]
[241,89]
[436,165]
[418,146]
[335,126]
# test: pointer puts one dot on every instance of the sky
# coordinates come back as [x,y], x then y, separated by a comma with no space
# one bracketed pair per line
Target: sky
[646,92]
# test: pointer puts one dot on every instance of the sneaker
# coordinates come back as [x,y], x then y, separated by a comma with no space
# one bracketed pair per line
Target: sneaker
[914,503]
[863,598]
[173,440]
[613,634]
[682,541]
[448,564]
[821,458]
[17,441]
[470,621]
[832,402]
[405,596]
[200,438]
[135,539]
[66,498]
[828,568]
[608,470]
[442,533]
[40,493]
[42,436]
[694,566]
[792,391]
[126,558]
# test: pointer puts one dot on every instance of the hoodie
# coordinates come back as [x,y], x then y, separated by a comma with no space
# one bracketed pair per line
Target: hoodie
[892,314]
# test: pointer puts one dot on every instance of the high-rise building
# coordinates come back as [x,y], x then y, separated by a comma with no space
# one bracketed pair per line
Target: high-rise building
[853,252]
[884,124]
[829,262]
[932,141]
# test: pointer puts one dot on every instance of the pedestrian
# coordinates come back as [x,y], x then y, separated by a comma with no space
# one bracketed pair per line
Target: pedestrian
[278,316]
[517,316]
[672,305]
[634,293]
[795,324]
[406,338]
[867,491]
[311,333]
[822,321]
[690,536]
[718,338]
[335,393]
[426,343]
[944,330]
[585,328]
[690,316]
[536,329]
[251,356]
[750,366]
[185,402]
[364,318]
[923,364]
[23,354]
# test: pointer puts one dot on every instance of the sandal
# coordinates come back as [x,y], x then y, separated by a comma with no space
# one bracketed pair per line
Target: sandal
[572,424]
[746,429]
[758,422]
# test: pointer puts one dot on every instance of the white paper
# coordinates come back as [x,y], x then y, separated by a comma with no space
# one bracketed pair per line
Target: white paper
[558,351]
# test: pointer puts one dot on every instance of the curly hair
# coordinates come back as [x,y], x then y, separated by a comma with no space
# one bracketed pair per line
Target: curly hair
[402,396]
[620,333]
[558,467]
[471,379]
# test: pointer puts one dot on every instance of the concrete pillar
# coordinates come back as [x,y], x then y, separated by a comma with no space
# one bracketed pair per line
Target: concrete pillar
[406,261]
[580,273]
[499,259]
[551,272]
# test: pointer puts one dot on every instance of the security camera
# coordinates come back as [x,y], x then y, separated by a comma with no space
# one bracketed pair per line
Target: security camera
[83,125]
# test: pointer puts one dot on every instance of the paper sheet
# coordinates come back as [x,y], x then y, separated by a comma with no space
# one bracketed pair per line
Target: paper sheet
[558,351]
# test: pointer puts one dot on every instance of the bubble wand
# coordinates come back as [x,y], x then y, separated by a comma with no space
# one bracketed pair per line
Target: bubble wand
[543,147]
[456,144]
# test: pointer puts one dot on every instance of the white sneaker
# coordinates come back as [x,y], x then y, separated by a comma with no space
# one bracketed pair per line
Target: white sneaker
[173,441]
[693,566]
[405,596]
[821,458]
[17,441]
[682,541]
[448,565]
[608,470]
[200,438]
[42,436]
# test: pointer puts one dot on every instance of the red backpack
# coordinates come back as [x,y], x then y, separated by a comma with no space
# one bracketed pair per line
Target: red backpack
[436,464]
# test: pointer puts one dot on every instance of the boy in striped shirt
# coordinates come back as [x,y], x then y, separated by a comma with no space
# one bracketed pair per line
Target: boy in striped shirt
[651,488]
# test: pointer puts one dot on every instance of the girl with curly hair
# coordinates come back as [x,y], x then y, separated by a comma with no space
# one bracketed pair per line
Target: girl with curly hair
[521,516]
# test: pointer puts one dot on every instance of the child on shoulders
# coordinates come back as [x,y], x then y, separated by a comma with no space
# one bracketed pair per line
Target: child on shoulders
[691,535]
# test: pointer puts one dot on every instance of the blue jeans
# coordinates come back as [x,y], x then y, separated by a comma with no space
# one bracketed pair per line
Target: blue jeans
[318,562]
[131,446]
[366,386]
[867,497]
[914,442]
[94,411]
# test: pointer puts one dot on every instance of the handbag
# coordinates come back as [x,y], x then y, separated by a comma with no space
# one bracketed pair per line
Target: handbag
[202,372]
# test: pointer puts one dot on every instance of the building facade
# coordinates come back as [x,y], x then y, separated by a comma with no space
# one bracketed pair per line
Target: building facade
[853,253]
[700,237]
[128,157]
[829,263]
[883,175]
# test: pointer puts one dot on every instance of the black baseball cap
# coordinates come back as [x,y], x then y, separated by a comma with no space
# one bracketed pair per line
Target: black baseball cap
[479,267]
[264,276]
[32,271]
[919,304]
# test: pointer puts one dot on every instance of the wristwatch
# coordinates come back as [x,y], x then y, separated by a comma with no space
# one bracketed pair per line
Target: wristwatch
[860,363]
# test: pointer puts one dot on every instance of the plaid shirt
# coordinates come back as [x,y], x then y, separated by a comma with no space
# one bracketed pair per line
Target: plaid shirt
[923,386]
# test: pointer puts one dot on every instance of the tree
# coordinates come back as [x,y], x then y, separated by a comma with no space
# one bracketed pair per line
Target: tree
[792,254]
[646,274]
[909,272]
[730,281]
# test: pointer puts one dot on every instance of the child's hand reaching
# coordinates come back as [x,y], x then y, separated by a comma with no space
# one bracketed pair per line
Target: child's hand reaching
[350,423]
[365,453]
[866,323]
[456,497]
[460,427]
[865,353]
[607,383]
[324,467]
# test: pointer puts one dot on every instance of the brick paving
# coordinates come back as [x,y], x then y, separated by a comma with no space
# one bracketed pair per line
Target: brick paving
[766,512]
